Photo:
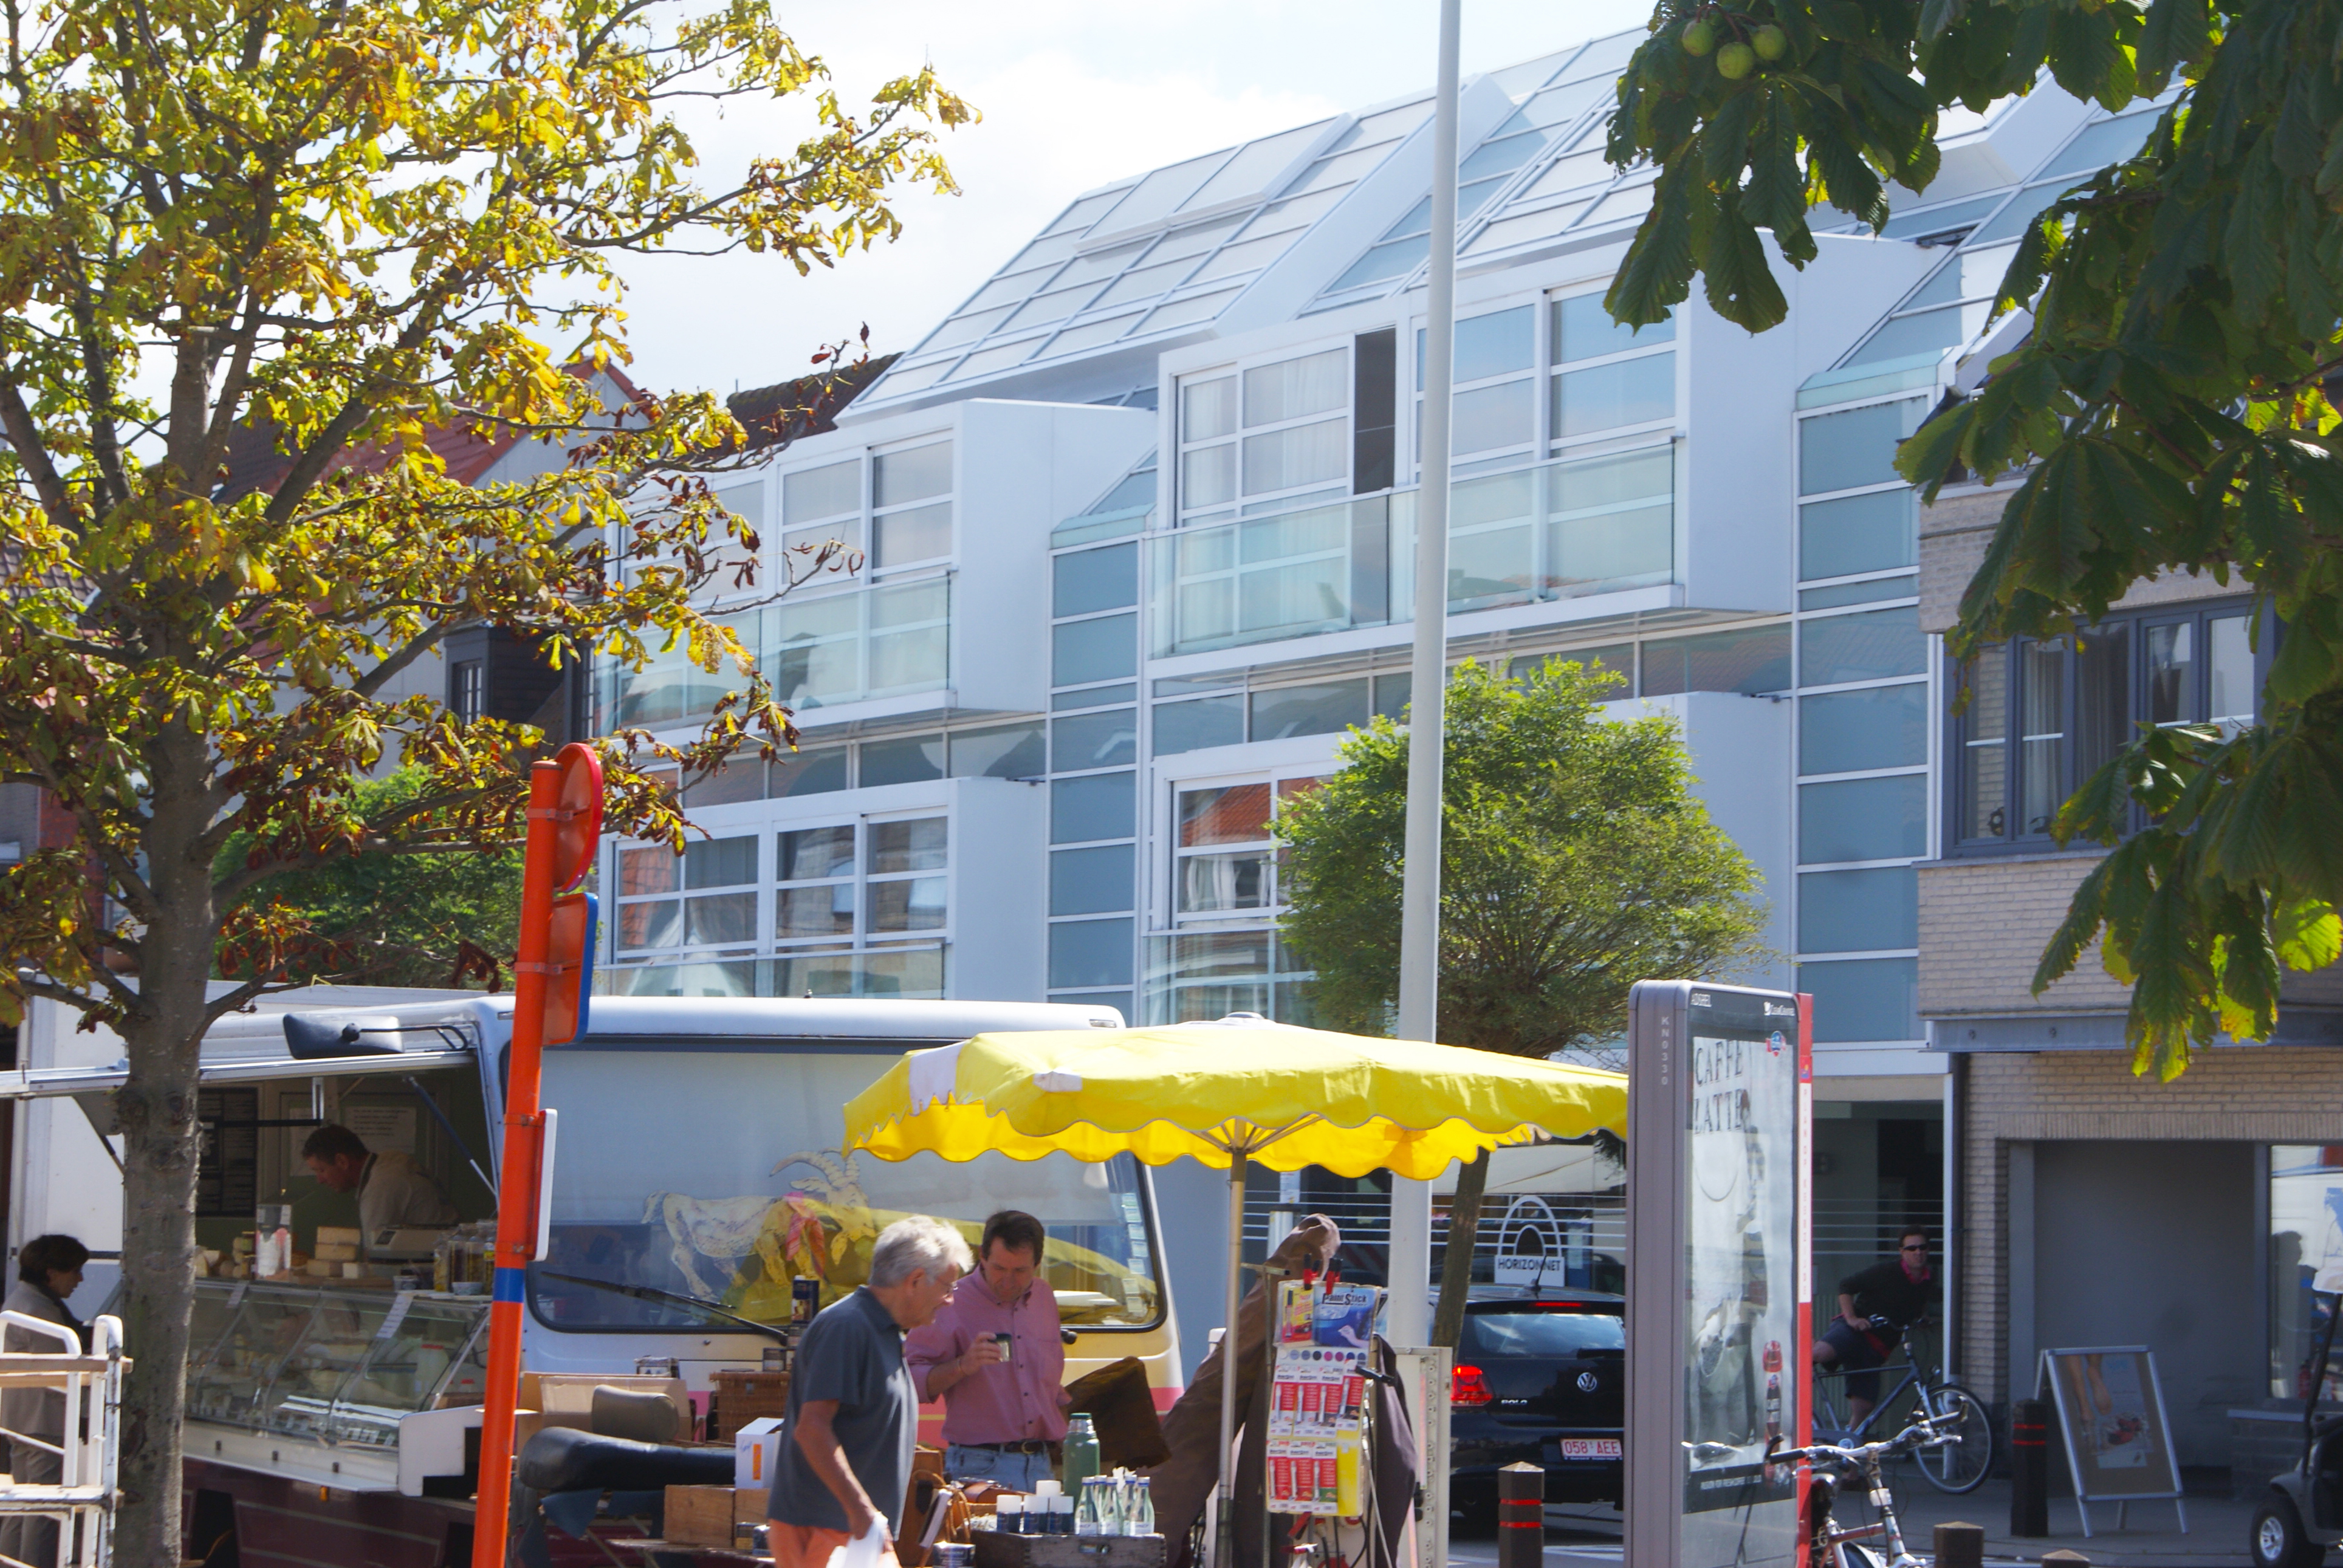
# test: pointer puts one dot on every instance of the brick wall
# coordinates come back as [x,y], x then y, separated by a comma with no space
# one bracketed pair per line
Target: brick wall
[2272,1094]
[1983,926]
[1954,532]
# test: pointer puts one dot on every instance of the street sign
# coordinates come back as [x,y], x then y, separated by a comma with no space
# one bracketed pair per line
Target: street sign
[549,977]
[578,816]
[569,966]
[1719,1339]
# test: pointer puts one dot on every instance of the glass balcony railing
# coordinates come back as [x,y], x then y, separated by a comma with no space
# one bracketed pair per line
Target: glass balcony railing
[1561,529]
[819,651]
[913,972]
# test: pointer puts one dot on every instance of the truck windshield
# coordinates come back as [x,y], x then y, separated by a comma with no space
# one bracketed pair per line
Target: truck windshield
[717,1173]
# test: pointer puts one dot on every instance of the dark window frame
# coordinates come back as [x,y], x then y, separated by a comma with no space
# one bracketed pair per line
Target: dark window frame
[2016,836]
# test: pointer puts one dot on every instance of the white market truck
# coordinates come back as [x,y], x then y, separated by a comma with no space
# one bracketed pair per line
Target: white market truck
[697,1156]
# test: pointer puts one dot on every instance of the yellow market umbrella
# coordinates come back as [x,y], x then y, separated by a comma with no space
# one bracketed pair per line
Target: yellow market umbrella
[1242,1089]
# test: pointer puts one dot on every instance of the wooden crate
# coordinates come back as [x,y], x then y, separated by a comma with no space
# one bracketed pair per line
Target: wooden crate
[995,1549]
[710,1515]
[739,1398]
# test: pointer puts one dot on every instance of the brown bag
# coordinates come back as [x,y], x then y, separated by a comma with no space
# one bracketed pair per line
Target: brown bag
[1122,1407]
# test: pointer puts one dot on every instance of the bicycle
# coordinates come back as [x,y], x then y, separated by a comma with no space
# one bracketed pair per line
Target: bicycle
[1834,1465]
[1954,1468]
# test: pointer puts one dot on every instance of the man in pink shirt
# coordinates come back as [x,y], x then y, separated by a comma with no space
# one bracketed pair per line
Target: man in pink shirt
[1004,1405]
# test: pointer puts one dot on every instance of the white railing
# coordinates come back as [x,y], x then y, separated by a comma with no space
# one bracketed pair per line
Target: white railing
[82,1501]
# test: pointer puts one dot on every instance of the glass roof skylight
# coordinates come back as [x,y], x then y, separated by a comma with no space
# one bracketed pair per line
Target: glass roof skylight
[1948,308]
[1160,253]
[1545,160]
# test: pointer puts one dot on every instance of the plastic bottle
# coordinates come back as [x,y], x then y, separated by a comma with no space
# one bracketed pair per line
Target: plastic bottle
[1081,1448]
[1009,1515]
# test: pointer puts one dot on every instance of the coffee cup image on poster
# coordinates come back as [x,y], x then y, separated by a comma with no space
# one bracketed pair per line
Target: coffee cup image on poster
[1741,1289]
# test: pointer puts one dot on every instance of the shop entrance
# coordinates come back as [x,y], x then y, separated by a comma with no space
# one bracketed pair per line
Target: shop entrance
[2144,1243]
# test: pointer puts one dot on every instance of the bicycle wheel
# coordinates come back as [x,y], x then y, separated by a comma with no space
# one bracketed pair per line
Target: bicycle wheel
[1958,1467]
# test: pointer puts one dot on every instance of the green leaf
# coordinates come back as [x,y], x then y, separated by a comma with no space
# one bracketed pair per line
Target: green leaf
[2176,33]
[1725,142]
[2306,933]
[1739,286]
[1656,275]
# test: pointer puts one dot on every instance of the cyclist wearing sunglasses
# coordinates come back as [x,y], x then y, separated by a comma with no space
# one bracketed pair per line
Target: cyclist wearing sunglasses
[1874,1308]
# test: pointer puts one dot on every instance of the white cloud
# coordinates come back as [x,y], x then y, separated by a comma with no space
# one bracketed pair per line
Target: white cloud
[1073,95]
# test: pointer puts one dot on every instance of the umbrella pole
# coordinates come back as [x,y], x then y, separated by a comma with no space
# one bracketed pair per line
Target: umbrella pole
[1224,1532]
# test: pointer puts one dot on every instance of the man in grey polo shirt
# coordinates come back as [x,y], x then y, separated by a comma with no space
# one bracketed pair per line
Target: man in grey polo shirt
[853,1413]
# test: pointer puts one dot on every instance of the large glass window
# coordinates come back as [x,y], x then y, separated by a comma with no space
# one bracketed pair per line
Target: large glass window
[1856,446]
[1853,533]
[1495,390]
[1863,999]
[2043,716]
[910,506]
[2305,1240]
[1085,581]
[1866,645]
[712,1215]
[1863,819]
[1103,649]
[1222,856]
[718,878]
[818,505]
[1858,911]
[1857,731]
[842,881]
[1607,377]
[1095,806]
[1266,432]
[1744,661]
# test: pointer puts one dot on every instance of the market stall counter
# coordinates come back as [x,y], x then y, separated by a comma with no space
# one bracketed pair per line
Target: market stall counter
[366,1389]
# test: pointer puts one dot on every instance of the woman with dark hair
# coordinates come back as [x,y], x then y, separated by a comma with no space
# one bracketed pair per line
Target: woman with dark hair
[48,1269]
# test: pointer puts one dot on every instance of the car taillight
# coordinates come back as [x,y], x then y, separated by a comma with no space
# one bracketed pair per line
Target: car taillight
[1468,1387]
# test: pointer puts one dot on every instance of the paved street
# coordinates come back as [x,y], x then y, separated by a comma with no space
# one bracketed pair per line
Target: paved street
[2215,1537]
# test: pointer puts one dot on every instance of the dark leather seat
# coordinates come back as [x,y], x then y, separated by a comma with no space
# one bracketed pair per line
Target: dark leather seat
[569,1458]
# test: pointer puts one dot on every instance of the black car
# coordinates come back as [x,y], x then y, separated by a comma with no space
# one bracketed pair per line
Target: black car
[1540,1381]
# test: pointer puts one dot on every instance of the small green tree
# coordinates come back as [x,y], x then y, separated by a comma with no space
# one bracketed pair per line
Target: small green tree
[1574,862]
[406,917]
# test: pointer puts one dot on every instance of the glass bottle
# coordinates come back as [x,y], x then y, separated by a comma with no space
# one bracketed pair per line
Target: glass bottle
[1139,1517]
[1086,1517]
[1082,1449]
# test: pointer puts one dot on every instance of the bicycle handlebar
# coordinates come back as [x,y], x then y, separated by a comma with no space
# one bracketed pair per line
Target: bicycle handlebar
[1921,1433]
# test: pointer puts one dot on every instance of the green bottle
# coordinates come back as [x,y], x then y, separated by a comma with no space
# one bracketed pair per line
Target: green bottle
[1081,1454]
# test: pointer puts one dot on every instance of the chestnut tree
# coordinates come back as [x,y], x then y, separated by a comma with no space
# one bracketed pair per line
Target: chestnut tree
[343,236]
[2171,406]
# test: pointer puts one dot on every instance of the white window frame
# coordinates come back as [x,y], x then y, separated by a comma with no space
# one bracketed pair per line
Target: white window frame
[1551,370]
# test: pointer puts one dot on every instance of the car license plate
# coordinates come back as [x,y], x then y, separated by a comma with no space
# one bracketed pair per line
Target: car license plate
[1589,1448]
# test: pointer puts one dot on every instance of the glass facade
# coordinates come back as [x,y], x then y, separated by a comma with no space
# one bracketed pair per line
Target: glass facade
[1862,725]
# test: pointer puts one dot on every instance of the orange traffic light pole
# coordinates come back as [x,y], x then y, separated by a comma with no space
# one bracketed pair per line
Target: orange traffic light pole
[565,800]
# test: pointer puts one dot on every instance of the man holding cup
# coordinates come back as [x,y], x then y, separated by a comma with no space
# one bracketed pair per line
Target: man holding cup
[995,1356]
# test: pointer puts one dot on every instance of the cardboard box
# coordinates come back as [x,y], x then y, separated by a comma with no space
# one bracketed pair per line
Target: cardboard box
[711,1515]
[756,1449]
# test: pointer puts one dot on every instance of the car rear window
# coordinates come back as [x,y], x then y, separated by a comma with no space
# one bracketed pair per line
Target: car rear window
[1541,1334]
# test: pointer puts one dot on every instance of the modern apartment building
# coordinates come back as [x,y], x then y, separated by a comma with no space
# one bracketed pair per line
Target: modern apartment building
[1138,521]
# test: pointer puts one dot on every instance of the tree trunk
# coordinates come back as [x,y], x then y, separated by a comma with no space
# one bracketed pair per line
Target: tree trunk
[156,1110]
[1456,1268]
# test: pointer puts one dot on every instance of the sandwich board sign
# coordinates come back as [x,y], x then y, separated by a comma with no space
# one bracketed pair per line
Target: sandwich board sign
[2111,1417]
[1720,1120]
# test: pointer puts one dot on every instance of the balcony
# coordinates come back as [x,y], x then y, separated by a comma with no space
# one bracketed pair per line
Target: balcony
[1557,530]
[908,971]
[852,645]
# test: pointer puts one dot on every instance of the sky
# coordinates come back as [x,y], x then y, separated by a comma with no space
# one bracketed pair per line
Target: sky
[1074,93]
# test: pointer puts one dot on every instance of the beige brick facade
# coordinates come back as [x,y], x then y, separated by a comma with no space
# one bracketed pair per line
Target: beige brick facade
[2273,1094]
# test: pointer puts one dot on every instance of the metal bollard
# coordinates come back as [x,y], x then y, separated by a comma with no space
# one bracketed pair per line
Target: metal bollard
[2029,1468]
[1960,1545]
[2063,1558]
[1521,1517]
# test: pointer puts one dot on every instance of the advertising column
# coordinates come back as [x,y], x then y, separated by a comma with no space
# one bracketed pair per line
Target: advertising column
[1717,1273]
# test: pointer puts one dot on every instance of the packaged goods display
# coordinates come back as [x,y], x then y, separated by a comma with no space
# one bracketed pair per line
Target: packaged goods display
[1318,1397]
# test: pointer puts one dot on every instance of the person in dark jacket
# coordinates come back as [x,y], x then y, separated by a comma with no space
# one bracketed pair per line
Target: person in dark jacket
[48,1271]
[1874,1308]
